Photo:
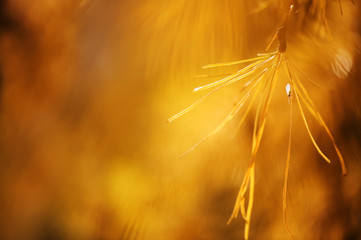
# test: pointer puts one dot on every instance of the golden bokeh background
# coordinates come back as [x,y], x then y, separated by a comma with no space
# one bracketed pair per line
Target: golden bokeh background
[86,90]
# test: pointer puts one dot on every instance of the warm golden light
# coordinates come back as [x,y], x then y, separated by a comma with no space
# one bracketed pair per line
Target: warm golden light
[158,119]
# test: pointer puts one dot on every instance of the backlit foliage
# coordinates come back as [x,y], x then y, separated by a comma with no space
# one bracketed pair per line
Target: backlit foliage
[86,88]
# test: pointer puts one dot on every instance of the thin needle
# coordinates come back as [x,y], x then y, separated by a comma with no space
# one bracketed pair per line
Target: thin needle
[287,170]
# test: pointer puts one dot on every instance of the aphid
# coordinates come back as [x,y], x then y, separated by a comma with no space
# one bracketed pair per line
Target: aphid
[288,90]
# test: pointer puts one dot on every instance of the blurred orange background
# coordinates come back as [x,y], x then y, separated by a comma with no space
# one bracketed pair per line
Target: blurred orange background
[87,88]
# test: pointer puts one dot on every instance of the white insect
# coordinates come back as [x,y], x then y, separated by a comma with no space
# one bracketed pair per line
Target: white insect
[288,90]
